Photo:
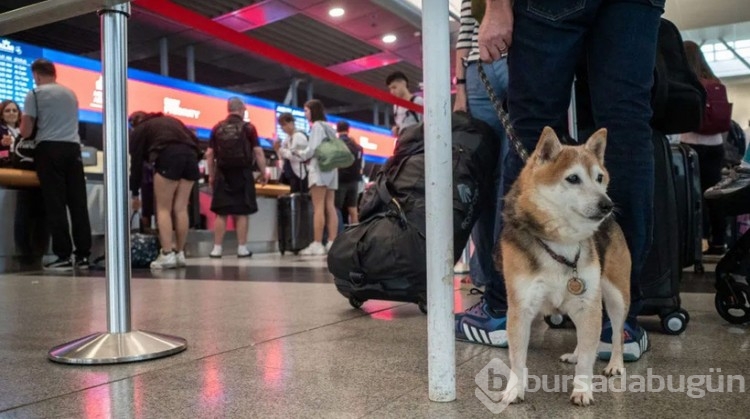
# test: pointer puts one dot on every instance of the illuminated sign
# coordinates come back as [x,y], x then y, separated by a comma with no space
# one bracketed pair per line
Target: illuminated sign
[197,106]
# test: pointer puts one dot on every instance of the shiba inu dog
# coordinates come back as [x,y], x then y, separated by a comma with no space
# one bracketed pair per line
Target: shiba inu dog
[562,252]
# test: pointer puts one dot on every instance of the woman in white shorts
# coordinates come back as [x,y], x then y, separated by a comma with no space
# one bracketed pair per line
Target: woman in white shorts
[323,185]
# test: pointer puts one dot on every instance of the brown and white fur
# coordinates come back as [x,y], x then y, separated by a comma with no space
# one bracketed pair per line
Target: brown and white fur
[561,198]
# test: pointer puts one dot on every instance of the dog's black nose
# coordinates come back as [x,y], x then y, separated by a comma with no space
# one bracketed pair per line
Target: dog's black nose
[606,206]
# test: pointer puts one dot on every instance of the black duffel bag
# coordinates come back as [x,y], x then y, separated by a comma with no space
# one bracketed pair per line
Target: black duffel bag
[383,257]
[475,152]
[386,245]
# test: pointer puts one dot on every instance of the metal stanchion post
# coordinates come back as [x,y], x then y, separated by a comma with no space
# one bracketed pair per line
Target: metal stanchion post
[441,346]
[119,344]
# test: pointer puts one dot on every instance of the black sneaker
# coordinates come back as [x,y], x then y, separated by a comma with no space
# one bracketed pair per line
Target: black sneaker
[59,265]
[82,264]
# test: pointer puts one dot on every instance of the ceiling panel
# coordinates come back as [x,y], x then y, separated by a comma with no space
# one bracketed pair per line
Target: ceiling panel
[377,77]
[374,25]
[312,40]
[215,8]
[692,14]
[205,73]
[77,40]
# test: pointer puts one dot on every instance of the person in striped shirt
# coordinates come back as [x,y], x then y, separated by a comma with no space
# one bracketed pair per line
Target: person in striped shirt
[471,96]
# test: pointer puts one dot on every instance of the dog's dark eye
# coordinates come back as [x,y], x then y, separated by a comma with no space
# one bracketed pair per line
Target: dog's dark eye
[600,178]
[573,179]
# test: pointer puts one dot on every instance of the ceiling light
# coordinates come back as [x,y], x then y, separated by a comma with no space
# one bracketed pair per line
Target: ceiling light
[390,38]
[336,12]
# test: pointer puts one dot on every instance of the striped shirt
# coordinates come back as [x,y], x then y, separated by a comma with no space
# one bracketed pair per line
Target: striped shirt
[468,35]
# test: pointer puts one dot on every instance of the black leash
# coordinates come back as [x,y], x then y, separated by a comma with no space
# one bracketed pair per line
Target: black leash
[504,119]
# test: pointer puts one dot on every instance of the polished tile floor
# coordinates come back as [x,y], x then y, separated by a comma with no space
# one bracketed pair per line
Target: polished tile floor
[271,337]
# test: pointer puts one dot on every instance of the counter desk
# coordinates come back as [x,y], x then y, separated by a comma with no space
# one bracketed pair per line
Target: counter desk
[24,238]
[262,229]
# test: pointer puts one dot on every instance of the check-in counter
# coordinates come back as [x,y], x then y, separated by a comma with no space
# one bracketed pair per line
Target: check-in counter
[262,230]
[24,238]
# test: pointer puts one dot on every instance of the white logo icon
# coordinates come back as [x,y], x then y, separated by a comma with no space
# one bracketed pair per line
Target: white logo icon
[490,382]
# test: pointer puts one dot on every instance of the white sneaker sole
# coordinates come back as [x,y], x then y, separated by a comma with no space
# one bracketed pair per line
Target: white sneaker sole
[631,350]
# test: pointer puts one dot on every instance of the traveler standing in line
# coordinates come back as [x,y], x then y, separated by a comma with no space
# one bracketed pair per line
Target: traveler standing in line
[322,185]
[174,151]
[398,85]
[229,156]
[545,40]
[53,110]
[472,97]
[349,177]
[710,150]
[294,168]
[146,203]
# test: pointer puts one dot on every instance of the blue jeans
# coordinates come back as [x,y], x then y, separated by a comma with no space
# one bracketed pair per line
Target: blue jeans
[487,230]
[618,39]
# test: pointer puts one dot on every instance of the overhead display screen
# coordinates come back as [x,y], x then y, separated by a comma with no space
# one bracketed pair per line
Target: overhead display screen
[198,106]
[15,70]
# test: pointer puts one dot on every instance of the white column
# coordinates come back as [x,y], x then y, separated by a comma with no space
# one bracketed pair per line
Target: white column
[441,346]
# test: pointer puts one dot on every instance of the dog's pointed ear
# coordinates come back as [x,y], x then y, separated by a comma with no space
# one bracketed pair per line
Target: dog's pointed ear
[597,143]
[549,146]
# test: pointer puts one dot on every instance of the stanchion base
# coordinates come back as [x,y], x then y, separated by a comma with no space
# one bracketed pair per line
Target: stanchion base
[117,348]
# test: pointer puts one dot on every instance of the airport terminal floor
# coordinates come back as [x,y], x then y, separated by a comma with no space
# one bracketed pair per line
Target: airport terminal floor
[271,337]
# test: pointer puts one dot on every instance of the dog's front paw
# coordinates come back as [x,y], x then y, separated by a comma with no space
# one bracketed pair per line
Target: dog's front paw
[512,396]
[569,358]
[582,398]
[614,368]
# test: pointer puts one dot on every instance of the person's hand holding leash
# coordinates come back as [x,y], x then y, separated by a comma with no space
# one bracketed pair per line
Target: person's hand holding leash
[496,30]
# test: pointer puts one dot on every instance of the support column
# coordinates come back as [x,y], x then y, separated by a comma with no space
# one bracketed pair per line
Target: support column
[120,344]
[376,113]
[164,56]
[310,89]
[190,58]
[441,344]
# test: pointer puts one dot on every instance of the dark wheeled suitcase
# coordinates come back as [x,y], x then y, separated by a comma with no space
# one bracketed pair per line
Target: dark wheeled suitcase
[295,222]
[662,270]
[689,198]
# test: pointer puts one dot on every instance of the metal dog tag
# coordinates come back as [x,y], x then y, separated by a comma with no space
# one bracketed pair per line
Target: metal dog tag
[576,286]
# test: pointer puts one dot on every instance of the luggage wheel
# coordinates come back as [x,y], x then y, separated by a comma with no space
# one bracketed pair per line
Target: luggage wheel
[422,306]
[675,322]
[556,321]
[733,304]
[356,303]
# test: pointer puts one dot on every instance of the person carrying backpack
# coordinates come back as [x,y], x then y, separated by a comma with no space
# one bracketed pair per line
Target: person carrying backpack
[231,149]
[349,177]
[398,85]
[708,143]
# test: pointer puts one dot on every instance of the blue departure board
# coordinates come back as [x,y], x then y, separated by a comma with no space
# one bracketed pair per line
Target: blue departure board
[15,69]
